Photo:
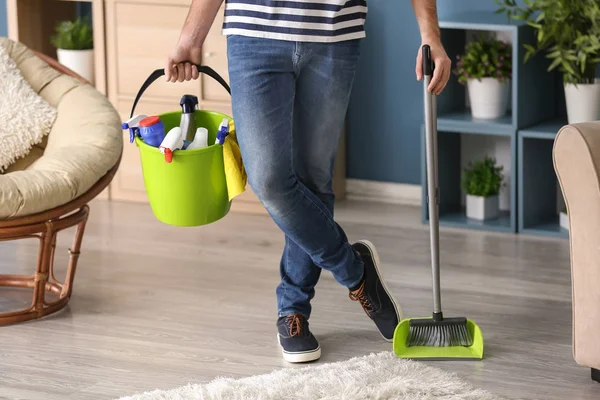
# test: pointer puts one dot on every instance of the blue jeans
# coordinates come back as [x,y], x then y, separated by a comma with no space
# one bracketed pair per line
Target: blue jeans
[289,104]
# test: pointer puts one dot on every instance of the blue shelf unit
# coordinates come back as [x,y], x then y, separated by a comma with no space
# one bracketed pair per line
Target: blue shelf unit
[533,104]
[537,181]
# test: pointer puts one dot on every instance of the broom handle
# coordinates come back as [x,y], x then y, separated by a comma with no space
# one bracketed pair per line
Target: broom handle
[433,193]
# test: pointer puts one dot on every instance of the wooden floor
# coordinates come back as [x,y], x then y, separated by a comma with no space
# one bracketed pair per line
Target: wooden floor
[158,307]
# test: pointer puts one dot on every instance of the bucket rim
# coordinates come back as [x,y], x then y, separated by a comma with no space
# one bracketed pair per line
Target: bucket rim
[180,153]
[200,111]
[186,153]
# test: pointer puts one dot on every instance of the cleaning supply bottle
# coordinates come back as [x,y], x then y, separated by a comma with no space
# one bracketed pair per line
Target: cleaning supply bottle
[188,122]
[133,124]
[152,130]
[200,139]
[173,141]
[223,131]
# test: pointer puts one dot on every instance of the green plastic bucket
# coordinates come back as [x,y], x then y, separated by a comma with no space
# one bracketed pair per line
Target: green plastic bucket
[191,190]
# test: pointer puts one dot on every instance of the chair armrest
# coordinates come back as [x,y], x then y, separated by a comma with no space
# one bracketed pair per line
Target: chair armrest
[576,157]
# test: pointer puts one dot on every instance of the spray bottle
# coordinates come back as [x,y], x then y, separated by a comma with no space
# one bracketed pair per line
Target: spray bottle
[173,141]
[223,131]
[133,124]
[188,123]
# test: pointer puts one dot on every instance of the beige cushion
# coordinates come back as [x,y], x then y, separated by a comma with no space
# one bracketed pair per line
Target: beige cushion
[84,143]
[26,118]
[577,164]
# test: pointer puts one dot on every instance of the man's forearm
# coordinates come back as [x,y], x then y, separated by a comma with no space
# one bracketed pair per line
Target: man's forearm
[200,18]
[426,13]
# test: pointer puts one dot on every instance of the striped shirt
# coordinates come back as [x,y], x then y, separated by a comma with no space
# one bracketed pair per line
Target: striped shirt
[297,20]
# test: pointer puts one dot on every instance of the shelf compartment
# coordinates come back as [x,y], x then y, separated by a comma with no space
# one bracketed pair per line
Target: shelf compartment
[454,151]
[538,187]
[533,94]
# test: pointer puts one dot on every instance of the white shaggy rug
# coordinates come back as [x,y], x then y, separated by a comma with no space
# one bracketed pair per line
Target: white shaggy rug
[380,376]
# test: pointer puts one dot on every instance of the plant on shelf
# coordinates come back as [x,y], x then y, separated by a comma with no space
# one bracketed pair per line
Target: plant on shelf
[568,32]
[74,42]
[482,181]
[486,68]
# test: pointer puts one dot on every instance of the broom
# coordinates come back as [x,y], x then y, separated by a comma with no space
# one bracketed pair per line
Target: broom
[436,331]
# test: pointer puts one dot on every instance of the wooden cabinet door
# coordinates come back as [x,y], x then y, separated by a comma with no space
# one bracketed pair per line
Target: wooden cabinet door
[140,35]
[215,56]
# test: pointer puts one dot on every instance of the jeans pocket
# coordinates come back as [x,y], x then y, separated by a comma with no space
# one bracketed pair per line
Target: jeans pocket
[347,50]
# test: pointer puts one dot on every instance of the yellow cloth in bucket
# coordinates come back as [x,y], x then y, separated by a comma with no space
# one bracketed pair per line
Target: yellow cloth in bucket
[235,173]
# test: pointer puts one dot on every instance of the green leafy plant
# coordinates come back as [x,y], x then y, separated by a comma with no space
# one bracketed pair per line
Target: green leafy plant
[483,178]
[73,35]
[567,31]
[485,57]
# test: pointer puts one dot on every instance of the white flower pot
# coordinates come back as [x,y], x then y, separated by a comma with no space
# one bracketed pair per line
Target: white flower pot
[488,97]
[583,102]
[564,220]
[483,208]
[79,61]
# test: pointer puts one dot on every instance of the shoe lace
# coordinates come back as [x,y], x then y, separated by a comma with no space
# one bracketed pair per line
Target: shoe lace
[360,296]
[294,323]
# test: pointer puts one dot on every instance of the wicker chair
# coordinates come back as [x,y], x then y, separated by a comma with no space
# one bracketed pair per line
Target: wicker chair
[45,225]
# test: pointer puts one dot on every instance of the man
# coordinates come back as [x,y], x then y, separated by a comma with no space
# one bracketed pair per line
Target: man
[291,69]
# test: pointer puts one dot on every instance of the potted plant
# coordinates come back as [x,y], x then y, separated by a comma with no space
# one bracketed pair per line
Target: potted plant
[564,219]
[74,41]
[486,69]
[482,181]
[569,33]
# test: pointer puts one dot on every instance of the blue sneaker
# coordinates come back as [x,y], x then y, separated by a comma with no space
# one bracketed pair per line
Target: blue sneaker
[373,295]
[297,342]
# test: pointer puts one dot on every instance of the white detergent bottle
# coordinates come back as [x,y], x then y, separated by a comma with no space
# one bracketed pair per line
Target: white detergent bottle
[200,139]
[173,141]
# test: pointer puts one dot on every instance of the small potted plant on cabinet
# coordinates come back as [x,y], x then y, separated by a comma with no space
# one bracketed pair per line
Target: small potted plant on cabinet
[482,181]
[74,42]
[569,33]
[486,69]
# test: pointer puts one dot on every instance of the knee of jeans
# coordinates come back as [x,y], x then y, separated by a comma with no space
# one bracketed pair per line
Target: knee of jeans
[318,180]
[270,186]
[319,186]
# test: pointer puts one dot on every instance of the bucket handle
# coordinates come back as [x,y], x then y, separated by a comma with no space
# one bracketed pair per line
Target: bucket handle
[203,69]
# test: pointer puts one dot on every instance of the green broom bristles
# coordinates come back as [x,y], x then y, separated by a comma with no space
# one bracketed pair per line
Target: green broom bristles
[444,333]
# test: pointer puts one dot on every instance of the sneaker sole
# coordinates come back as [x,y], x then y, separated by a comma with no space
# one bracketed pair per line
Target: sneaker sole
[399,312]
[300,357]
